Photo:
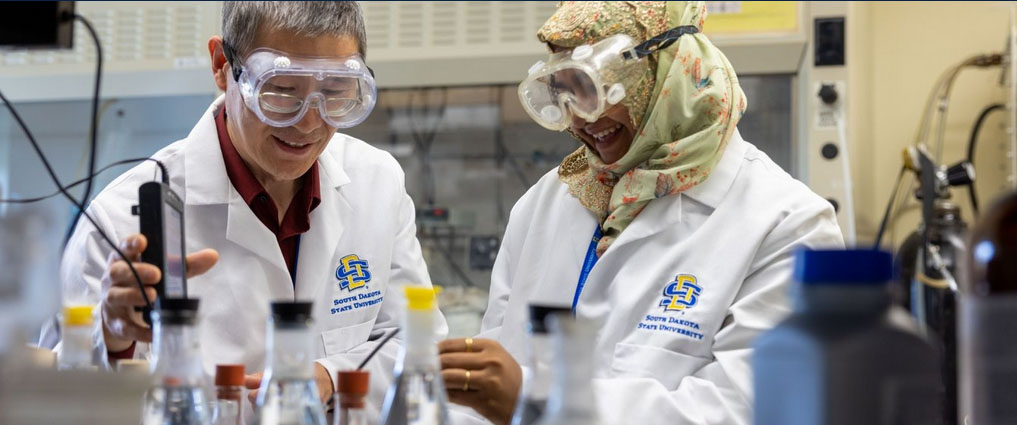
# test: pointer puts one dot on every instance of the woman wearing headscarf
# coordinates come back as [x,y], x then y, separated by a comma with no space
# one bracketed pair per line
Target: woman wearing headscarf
[665,226]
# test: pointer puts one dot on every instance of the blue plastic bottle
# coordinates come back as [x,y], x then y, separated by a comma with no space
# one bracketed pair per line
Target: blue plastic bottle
[842,357]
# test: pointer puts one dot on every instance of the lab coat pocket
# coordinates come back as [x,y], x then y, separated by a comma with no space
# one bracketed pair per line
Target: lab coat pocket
[647,361]
[341,340]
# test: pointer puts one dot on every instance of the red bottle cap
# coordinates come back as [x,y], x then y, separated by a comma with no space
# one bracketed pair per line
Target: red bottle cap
[353,382]
[229,375]
[352,388]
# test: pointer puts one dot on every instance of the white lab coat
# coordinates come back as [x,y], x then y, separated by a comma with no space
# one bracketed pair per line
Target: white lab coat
[364,211]
[734,233]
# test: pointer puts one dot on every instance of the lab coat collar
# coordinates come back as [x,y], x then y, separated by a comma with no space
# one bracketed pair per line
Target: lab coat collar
[658,215]
[712,190]
[205,179]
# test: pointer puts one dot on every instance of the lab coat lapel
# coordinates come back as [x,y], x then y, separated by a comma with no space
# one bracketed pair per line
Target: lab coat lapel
[207,184]
[315,265]
[248,232]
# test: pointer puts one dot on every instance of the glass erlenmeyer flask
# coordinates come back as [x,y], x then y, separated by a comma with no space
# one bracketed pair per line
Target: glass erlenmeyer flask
[288,393]
[178,395]
[572,401]
[417,396]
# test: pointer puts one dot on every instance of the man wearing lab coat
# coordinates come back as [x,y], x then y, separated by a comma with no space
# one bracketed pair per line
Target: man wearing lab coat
[282,211]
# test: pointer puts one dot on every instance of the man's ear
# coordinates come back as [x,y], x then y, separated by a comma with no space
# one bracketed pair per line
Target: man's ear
[220,67]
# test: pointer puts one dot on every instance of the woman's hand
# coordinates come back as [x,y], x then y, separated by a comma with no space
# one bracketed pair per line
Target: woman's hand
[479,373]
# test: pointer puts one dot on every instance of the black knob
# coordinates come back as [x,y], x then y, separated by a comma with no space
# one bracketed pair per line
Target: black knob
[830,151]
[835,204]
[960,174]
[828,93]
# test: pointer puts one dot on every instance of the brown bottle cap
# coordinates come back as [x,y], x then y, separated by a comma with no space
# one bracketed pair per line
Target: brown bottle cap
[229,375]
[353,382]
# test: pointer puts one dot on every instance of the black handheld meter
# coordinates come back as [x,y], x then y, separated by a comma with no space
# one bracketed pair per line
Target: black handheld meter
[161,214]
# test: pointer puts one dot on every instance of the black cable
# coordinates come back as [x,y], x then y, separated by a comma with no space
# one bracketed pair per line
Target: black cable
[971,148]
[659,42]
[376,348]
[99,171]
[94,130]
[889,208]
[81,207]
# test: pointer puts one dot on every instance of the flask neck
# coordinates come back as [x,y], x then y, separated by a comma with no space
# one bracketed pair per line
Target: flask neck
[541,358]
[571,388]
[419,350]
[178,354]
[290,352]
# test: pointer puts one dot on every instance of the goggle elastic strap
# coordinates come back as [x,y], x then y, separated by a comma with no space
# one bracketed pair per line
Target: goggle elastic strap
[658,42]
[231,57]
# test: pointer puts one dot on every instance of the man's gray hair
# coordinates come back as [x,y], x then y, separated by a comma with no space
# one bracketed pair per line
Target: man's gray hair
[241,20]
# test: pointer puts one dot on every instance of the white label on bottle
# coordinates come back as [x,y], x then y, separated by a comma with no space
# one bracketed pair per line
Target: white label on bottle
[987,344]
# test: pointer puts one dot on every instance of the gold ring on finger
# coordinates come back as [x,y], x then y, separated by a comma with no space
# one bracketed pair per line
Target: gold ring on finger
[469,345]
[466,385]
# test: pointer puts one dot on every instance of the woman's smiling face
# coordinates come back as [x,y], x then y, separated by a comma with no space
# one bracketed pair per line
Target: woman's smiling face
[611,135]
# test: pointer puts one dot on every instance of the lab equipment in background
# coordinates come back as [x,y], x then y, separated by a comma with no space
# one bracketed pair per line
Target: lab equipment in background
[350,394]
[229,394]
[178,394]
[842,357]
[572,400]
[288,393]
[463,308]
[987,319]
[76,349]
[537,369]
[417,395]
[930,259]
[37,24]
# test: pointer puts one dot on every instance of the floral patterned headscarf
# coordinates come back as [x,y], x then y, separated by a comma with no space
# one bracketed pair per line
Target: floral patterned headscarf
[686,106]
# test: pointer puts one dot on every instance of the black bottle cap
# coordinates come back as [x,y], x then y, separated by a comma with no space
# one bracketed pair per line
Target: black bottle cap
[539,312]
[177,311]
[291,313]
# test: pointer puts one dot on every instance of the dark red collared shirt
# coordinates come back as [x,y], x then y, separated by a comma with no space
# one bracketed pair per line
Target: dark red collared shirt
[298,216]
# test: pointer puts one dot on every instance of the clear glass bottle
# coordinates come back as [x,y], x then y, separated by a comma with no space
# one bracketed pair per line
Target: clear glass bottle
[229,394]
[571,401]
[987,319]
[537,370]
[178,395]
[417,396]
[76,344]
[351,390]
[288,393]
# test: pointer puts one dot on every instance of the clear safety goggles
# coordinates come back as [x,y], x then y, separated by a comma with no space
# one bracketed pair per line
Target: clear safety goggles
[279,88]
[588,79]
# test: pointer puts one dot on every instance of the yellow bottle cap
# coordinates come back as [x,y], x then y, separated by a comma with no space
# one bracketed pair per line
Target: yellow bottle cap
[78,315]
[420,297]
